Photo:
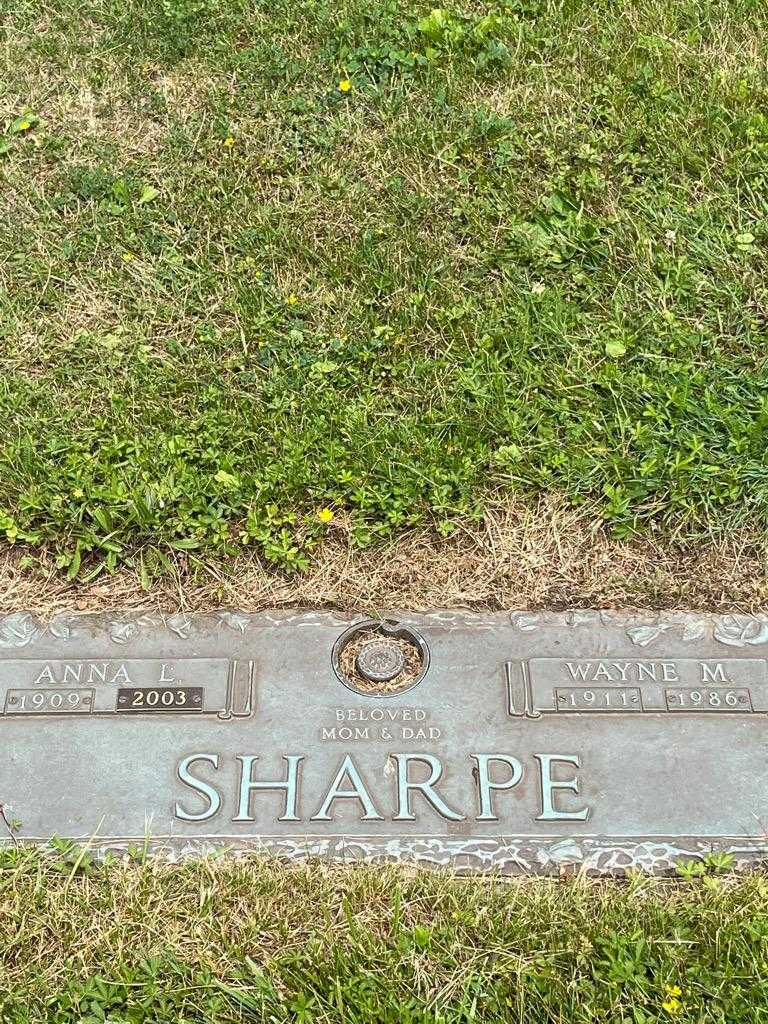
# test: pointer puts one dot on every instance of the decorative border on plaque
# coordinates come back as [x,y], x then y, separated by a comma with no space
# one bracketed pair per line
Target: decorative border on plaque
[512,855]
[20,628]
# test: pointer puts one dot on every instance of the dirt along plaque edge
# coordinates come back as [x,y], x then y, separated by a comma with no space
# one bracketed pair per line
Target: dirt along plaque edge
[660,662]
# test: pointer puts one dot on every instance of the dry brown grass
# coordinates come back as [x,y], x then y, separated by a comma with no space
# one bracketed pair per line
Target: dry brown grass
[521,556]
[236,940]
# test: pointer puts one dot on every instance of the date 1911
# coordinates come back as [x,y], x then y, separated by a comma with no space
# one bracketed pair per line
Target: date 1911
[599,698]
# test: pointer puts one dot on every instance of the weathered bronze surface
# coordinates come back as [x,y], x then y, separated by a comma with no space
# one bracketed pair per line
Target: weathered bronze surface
[480,741]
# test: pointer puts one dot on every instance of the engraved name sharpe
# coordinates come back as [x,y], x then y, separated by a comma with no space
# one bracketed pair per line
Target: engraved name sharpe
[348,784]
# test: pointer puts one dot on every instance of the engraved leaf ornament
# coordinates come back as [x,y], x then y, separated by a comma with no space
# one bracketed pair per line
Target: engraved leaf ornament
[122,632]
[17,630]
[641,636]
[741,630]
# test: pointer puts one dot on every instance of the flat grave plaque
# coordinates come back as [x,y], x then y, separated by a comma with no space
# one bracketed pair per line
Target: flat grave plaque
[513,742]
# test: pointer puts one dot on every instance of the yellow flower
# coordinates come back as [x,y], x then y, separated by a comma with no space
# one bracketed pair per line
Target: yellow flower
[128,256]
[325,515]
[673,990]
[345,85]
[229,141]
[672,1006]
[292,300]
[25,126]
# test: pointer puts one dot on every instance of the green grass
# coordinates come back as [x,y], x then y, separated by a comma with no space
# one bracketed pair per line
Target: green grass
[249,941]
[525,251]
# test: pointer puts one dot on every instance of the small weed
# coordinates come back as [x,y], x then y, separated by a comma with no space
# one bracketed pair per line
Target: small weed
[72,859]
[710,864]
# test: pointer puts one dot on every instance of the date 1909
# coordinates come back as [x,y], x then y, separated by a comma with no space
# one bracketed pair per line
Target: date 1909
[48,702]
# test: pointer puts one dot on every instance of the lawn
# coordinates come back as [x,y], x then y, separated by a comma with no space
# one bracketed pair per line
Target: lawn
[269,270]
[251,941]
